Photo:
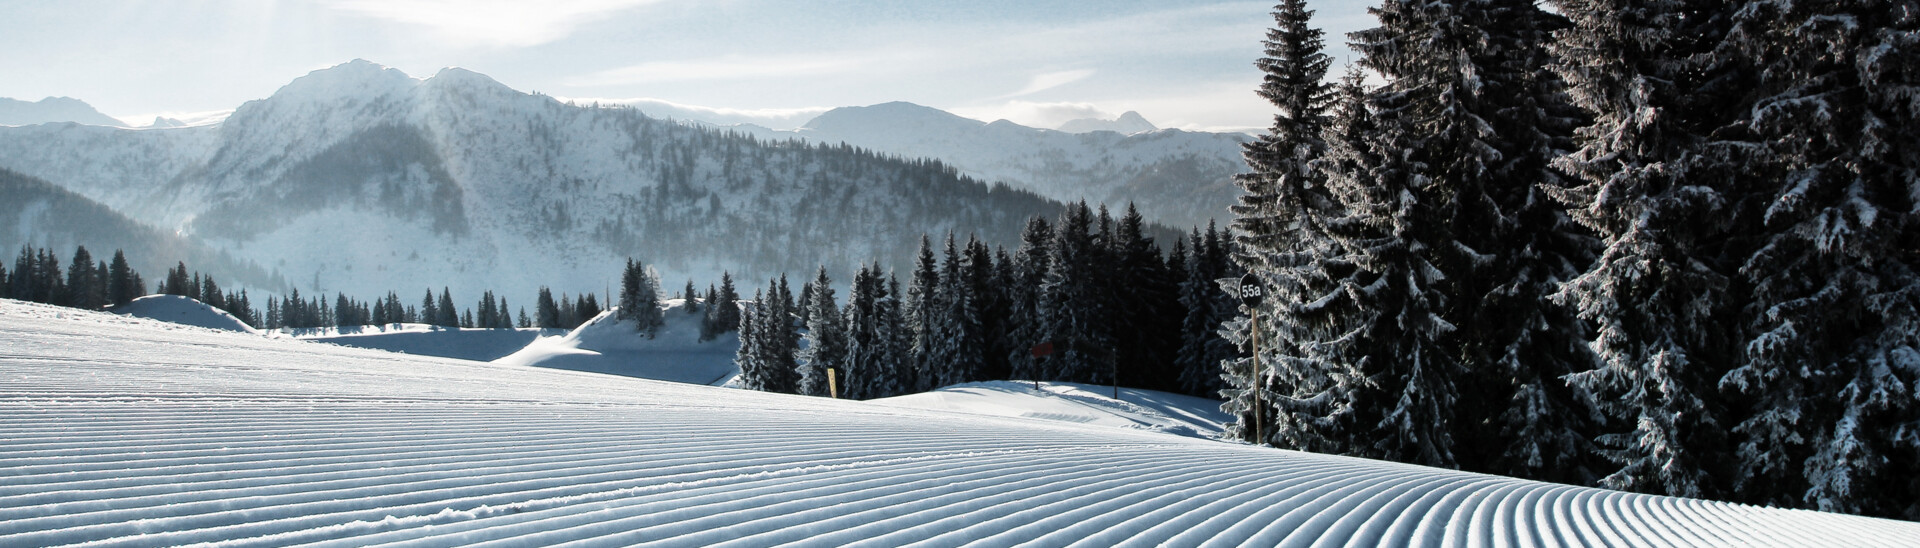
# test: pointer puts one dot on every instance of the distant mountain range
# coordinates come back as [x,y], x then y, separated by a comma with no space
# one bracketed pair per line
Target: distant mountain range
[1176,177]
[362,179]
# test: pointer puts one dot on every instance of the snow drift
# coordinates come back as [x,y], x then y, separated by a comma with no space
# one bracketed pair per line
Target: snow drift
[183,311]
[123,431]
[609,345]
[1076,403]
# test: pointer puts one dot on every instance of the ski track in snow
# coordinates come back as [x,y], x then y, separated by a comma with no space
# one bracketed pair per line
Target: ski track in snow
[125,432]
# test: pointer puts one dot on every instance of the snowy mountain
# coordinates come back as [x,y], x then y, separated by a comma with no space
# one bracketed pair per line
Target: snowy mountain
[362,179]
[1127,124]
[15,112]
[124,431]
[1178,178]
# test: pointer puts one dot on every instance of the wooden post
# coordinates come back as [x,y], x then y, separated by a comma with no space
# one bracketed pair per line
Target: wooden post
[1259,435]
[833,384]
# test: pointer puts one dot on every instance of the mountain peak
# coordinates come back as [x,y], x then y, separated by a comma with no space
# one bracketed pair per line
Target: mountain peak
[358,77]
[1128,123]
[884,115]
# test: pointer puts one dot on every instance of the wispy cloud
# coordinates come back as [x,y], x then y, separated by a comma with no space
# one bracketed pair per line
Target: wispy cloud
[1050,80]
[1032,114]
[744,67]
[509,23]
[776,118]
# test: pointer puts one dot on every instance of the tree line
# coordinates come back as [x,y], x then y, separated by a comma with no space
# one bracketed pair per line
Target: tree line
[1098,289]
[1659,247]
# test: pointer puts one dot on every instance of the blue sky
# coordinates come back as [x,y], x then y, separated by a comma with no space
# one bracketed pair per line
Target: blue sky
[1181,63]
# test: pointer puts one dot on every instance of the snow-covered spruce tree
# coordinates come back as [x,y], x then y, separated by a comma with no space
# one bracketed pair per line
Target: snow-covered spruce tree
[690,298]
[1829,420]
[629,290]
[83,288]
[781,338]
[1273,222]
[1202,349]
[449,314]
[1147,312]
[923,308]
[1489,119]
[983,281]
[1074,310]
[753,374]
[640,288]
[120,285]
[955,342]
[866,375]
[546,312]
[826,338]
[805,307]
[1663,194]
[1030,265]
[896,352]
[723,309]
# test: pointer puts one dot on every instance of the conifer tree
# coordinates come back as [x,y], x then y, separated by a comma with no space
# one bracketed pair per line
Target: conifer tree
[1147,318]
[83,289]
[690,298]
[53,289]
[429,310]
[1074,312]
[1202,349]
[546,311]
[1661,194]
[957,341]
[1030,265]
[826,337]
[923,307]
[746,358]
[449,314]
[862,377]
[1824,386]
[630,291]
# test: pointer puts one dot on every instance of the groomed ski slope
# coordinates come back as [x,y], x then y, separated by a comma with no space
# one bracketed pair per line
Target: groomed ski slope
[118,431]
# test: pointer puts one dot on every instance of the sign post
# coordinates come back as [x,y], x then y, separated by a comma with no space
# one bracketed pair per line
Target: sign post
[1040,351]
[1251,293]
[833,384]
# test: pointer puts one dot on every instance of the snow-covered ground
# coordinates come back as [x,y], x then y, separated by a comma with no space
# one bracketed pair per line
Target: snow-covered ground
[1077,403]
[184,311]
[124,431]
[426,340]
[607,345]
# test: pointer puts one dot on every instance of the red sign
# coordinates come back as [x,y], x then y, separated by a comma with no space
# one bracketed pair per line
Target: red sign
[1042,349]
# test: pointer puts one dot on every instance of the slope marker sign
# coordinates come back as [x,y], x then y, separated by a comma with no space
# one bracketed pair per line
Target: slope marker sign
[1251,293]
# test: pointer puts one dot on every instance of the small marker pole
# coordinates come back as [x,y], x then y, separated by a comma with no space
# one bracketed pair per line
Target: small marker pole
[1251,293]
[1259,433]
[833,385]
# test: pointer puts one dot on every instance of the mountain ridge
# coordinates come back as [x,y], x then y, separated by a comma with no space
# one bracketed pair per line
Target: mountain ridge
[362,179]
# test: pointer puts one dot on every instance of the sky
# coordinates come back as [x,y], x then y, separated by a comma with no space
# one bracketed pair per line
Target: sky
[1180,63]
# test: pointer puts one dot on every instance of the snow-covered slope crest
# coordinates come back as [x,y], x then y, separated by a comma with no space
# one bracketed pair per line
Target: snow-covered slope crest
[1076,403]
[609,345]
[119,431]
[184,311]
